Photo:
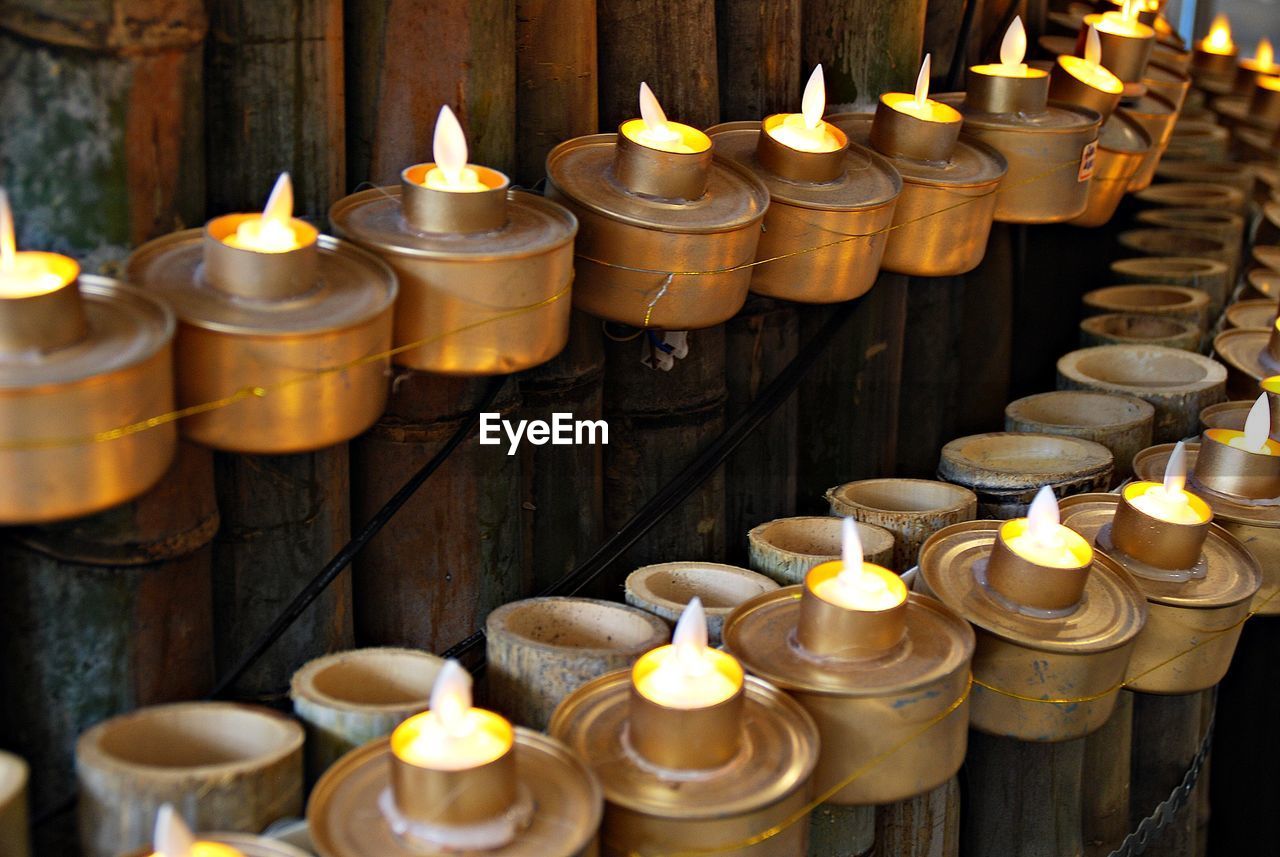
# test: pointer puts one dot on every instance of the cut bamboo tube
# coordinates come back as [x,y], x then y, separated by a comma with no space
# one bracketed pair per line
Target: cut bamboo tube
[927,825]
[1182,302]
[1211,276]
[1226,415]
[1106,781]
[1166,735]
[1227,226]
[1222,197]
[1133,329]
[1256,314]
[841,831]
[787,548]
[1181,242]
[350,698]
[667,588]
[224,766]
[1120,423]
[1236,175]
[911,509]
[541,649]
[15,839]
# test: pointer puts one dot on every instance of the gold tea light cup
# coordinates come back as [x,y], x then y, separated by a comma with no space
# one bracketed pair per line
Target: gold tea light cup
[1213,58]
[484,271]
[279,329]
[949,181]
[1253,69]
[1126,42]
[667,236]
[883,672]
[1198,579]
[457,778]
[80,358]
[830,202]
[694,754]
[1156,115]
[1056,622]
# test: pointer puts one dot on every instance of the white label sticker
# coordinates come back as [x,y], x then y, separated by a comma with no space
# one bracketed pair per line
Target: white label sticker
[1088,160]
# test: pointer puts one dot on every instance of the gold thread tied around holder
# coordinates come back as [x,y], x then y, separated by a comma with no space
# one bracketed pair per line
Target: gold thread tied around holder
[259,392]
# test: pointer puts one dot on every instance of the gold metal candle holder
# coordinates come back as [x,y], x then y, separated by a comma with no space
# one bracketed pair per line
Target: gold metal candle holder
[676,779]
[872,681]
[484,276]
[1123,147]
[297,325]
[1264,103]
[1124,54]
[373,804]
[949,182]
[815,199]
[1255,525]
[1069,89]
[1197,578]
[1156,115]
[665,239]
[1236,472]
[1209,67]
[1049,148]
[1040,674]
[89,357]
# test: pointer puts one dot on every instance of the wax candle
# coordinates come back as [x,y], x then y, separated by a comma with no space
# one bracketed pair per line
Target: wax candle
[1088,69]
[805,131]
[273,232]
[449,148]
[919,105]
[688,674]
[655,131]
[451,735]
[1218,41]
[1044,541]
[860,585]
[174,839]
[28,273]
[1013,47]
[1168,501]
[1256,428]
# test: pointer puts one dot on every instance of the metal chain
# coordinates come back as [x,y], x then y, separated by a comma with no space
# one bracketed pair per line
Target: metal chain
[1149,828]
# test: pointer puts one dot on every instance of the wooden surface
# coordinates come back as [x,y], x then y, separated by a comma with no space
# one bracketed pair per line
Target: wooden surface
[283,518]
[406,58]
[759,57]
[866,47]
[927,825]
[1105,811]
[931,387]
[1166,735]
[274,93]
[556,96]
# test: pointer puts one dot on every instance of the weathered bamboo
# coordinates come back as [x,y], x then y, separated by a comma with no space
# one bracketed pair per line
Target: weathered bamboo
[759,51]
[1166,735]
[927,825]
[850,396]
[785,549]
[986,338]
[1156,299]
[866,48]
[541,649]
[1204,807]
[671,45]
[289,514]
[273,88]
[931,385]
[1210,276]
[555,79]
[15,839]
[1216,172]
[1183,242]
[666,588]
[1227,226]
[942,22]
[1106,781]
[842,831]
[658,421]
[1120,423]
[1198,141]
[405,58]
[350,698]
[1022,798]
[224,766]
[105,614]
[911,509]
[1136,329]
[1252,313]
[1223,197]
[760,476]
[453,553]
[563,500]
[103,146]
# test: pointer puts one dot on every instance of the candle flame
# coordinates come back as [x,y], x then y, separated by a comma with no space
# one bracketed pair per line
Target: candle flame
[449,145]
[172,836]
[279,207]
[8,248]
[1014,45]
[850,548]
[451,697]
[1093,46]
[651,111]
[1258,424]
[1175,472]
[1130,10]
[1042,517]
[814,101]
[922,81]
[690,637]
[1265,55]
[1219,39]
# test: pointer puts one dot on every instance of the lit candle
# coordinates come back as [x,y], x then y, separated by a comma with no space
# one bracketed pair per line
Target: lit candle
[1044,541]
[1218,41]
[174,839]
[655,131]
[449,148]
[805,131]
[1264,58]
[919,105]
[1124,23]
[27,274]
[1088,70]
[451,735]
[1257,427]
[860,585]
[1013,47]
[688,674]
[273,232]
[1169,502]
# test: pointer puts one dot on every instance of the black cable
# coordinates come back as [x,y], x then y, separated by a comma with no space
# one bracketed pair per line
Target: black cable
[343,558]
[698,470]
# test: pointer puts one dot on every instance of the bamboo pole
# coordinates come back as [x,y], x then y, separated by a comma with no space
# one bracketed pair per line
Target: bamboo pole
[930,373]
[759,57]
[927,825]
[1166,736]
[866,48]
[1105,812]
